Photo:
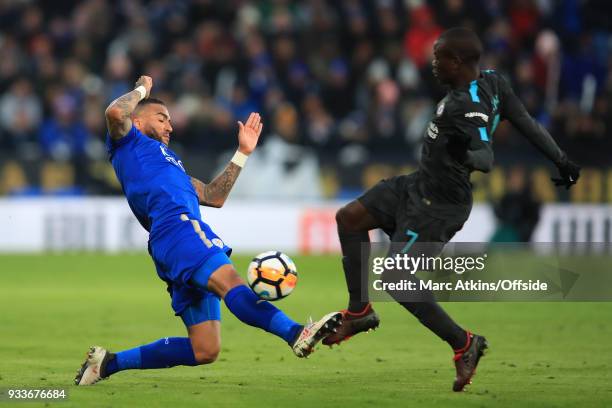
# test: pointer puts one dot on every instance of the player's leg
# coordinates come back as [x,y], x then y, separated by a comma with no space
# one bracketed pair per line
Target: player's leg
[219,276]
[224,281]
[354,222]
[376,208]
[202,319]
[467,347]
[205,340]
[163,353]
[422,303]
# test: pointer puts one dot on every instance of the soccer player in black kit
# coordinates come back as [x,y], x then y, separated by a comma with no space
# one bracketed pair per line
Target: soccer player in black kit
[432,204]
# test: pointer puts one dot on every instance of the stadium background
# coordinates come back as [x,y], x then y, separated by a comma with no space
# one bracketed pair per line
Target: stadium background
[345,90]
[344,87]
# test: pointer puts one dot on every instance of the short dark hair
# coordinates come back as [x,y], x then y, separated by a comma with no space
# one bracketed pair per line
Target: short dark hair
[464,43]
[148,101]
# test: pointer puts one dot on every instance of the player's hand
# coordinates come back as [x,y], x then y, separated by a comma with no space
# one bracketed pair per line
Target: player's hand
[569,172]
[248,133]
[147,82]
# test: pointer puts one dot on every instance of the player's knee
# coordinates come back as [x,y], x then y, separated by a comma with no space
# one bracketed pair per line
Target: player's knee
[207,354]
[343,218]
[232,279]
[224,279]
[348,218]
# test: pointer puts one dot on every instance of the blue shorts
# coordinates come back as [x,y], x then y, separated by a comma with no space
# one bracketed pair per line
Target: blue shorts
[208,306]
[190,249]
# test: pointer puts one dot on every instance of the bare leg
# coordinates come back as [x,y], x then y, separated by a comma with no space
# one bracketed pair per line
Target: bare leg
[206,340]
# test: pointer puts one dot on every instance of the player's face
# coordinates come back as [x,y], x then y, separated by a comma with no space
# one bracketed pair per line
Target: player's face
[445,64]
[154,121]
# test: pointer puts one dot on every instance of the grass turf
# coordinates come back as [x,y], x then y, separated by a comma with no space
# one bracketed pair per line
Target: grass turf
[52,307]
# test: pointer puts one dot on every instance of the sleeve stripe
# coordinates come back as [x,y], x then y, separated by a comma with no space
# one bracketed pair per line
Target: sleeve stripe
[474,91]
[495,123]
[483,134]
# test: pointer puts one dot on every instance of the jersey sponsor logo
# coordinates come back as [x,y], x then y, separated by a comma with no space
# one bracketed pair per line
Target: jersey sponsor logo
[171,159]
[432,130]
[477,115]
[440,109]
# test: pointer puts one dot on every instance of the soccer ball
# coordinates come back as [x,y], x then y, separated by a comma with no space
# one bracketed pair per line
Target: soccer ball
[272,275]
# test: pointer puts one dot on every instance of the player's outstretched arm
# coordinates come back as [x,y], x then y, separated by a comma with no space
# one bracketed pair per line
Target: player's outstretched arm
[216,192]
[118,112]
[515,112]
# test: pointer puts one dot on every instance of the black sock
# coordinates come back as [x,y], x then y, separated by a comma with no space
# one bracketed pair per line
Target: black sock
[351,263]
[422,304]
[432,316]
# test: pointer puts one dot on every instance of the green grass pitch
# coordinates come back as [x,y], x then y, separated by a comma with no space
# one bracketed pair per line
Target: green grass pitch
[53,307]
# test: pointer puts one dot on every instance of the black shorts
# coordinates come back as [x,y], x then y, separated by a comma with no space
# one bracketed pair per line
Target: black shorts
[393,204]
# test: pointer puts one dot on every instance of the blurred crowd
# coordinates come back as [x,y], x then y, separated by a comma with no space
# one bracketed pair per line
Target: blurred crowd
[347,80]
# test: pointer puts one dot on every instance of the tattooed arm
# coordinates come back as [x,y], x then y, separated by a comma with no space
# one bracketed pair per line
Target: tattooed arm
[215,193]
[118,112]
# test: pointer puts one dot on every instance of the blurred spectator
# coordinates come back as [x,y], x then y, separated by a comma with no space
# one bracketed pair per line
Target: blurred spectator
[118,80]
[281,169]
[20,114]
[357,72]
[517,212]
[63,136]
[384,125]
[318,123]
[422,33]
[524,16]
[337,90]
[239,104]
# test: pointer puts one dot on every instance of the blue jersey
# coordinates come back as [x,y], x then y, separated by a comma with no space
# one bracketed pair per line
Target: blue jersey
[153,180]
[161,196]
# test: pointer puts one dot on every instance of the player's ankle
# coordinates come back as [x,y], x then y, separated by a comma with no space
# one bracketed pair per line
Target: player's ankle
[111,367]
[464,345]
[295,334]
[357,308]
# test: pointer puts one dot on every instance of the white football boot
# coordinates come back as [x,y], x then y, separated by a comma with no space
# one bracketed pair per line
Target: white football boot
[94,366]
[314,332]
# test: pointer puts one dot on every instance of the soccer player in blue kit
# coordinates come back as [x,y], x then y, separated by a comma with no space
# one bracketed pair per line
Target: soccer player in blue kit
[188,255]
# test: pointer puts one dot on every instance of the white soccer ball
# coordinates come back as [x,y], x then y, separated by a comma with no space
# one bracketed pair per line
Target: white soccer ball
[272,275]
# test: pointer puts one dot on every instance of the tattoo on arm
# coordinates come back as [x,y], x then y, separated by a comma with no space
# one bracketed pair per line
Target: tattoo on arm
[216,192]
[118,114]
[200,189]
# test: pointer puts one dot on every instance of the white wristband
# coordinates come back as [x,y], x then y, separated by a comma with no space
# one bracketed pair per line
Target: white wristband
[239,159]
[142,90]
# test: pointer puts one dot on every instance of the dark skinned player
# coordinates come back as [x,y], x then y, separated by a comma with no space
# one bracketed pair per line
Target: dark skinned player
[432,204]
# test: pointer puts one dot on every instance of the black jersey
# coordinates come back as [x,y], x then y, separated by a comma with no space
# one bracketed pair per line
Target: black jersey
[459,140]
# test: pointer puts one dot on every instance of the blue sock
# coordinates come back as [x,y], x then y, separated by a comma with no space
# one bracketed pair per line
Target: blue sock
[163,353]
[247,307]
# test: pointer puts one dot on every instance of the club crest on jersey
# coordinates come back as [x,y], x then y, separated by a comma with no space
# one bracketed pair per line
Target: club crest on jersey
[171,159]
[440,109]
[432,131]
